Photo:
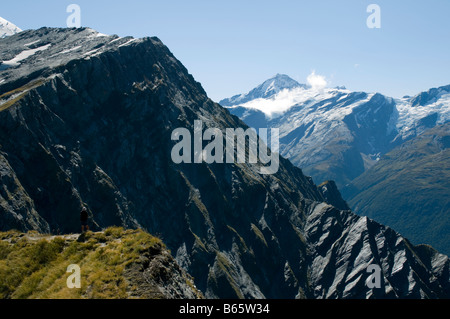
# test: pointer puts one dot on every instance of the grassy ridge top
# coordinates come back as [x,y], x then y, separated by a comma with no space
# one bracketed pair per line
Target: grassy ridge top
[113,264]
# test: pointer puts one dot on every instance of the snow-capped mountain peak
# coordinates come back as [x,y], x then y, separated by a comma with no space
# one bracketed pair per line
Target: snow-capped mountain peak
[7,28]
[265,90]
[278,83]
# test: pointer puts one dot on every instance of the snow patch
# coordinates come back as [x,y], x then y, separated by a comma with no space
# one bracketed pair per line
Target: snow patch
[31,43]
[127,43]
[409,116]
[22,56]
[70,50]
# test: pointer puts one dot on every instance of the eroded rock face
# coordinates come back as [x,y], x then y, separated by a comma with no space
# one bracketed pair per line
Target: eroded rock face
[157,275]
[332,195]
[88,121]
[346,244]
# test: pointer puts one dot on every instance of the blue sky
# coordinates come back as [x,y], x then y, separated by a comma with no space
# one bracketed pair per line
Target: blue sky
[232,46]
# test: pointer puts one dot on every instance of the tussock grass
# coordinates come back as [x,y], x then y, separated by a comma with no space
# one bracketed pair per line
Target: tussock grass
[34,265]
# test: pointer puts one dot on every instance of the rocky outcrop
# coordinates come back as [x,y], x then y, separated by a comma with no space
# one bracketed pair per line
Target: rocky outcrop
[156,274]
[332,195]
[345,245]
[87,121]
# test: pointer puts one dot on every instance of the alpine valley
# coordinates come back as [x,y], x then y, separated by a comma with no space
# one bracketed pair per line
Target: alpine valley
[86,120]
[344,136]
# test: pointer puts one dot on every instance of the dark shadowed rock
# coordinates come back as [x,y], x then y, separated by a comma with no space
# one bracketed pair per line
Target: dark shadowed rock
[332,195]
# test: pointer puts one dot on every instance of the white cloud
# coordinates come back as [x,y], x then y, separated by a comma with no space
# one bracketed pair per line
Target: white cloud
[316,81]
[285,99]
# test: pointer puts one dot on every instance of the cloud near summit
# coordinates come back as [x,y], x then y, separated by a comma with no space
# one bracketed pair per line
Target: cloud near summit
[316,81]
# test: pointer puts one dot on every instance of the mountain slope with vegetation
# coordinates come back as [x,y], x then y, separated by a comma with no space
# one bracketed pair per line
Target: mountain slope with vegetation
[113,264]
[409,189]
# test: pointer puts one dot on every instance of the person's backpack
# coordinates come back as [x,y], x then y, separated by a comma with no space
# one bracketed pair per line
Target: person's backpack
[83,215]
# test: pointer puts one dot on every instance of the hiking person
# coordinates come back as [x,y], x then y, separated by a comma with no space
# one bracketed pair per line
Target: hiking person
[84,219]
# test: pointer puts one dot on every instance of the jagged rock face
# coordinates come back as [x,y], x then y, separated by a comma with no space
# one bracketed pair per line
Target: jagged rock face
[345,244]
[157,275]
[88,121]
[332,195]
[17,207]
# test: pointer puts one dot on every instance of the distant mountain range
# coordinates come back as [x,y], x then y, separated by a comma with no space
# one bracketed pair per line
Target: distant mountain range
[87,120]
[336,134]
